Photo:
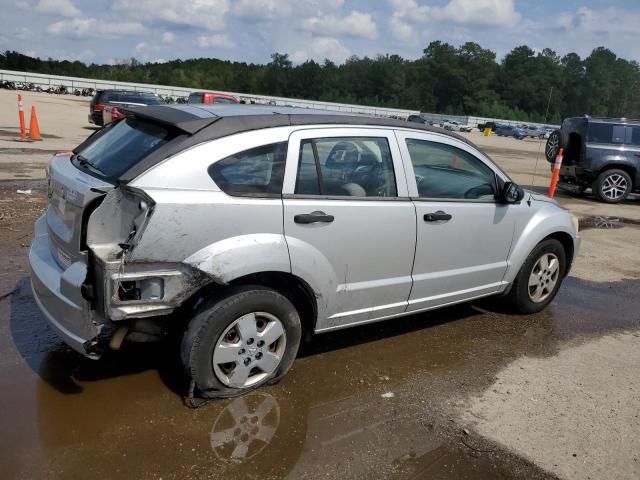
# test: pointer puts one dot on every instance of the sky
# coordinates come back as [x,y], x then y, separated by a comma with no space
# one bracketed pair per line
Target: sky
[110,31]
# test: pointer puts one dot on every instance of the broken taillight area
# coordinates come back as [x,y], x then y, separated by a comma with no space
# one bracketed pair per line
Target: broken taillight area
[116,225]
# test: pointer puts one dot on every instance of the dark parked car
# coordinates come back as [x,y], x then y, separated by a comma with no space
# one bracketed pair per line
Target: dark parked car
[510,131]
[491,125]
[416,119]
[599,153]
[115,98]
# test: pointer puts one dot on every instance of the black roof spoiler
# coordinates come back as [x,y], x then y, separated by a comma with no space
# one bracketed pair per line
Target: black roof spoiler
[185,121]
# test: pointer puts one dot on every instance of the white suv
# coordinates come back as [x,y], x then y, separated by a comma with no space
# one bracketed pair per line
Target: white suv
[242,228]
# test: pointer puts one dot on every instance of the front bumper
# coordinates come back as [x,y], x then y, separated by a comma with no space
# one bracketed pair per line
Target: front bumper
[57,292]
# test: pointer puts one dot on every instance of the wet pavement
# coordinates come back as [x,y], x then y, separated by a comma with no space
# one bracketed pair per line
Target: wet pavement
[377,401]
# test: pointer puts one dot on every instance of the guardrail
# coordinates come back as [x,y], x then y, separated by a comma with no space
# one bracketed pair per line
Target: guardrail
[46,80]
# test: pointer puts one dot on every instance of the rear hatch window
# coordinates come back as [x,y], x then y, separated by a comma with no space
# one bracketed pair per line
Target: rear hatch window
[143,98]
[119,146]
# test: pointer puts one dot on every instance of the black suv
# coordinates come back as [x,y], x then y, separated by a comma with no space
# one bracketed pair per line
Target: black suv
[601,153]
[104,97]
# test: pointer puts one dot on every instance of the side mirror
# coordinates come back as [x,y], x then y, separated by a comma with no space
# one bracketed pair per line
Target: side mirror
[512,193]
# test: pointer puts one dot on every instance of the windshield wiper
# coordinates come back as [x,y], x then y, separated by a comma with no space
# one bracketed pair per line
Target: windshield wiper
[85,162]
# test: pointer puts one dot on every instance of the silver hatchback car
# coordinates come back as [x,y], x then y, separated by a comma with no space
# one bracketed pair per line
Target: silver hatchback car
[244,228]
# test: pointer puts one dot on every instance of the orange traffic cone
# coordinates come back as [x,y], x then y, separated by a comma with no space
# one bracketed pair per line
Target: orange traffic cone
[34,129]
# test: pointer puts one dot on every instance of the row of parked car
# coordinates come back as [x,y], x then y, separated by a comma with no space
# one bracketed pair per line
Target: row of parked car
[56,89]
[450,125]
[519,132]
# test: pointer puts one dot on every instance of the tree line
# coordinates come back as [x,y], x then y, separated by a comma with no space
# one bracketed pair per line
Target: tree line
[464,80]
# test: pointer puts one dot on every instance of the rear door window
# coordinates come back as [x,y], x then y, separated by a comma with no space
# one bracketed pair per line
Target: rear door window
[346,167]
[120,146]
[255,172]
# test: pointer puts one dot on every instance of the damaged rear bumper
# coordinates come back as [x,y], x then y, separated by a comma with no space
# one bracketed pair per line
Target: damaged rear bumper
[57,292]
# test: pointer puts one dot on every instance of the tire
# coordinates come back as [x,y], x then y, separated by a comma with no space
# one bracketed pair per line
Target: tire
[523,297]
[612,186]
[556,140]
[231,324]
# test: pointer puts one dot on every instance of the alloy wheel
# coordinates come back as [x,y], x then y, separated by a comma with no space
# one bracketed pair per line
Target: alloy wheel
[249,350]
[552,145]
[614,186]
[544,277]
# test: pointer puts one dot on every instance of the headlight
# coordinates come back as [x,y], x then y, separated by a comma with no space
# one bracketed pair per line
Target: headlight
[576,222]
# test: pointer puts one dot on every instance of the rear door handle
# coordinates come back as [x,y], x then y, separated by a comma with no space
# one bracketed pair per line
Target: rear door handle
[313,217]
[436,216]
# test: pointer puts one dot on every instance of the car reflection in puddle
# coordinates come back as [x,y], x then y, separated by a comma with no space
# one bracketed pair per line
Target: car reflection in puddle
[245,427]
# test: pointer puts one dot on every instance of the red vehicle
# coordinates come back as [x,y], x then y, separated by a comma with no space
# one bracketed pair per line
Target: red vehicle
[210,97]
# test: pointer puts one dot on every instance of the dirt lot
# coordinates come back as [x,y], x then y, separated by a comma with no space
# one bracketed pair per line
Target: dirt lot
[465,392]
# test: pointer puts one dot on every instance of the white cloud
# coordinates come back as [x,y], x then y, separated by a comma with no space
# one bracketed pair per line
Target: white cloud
[402,31]
[408,16]
[269,10]
[215,41]
[356,24]
[21,33]
[168,37]
[207,14]
[64,8]
[90,27]
[320,48]
[478,12]
[610,20]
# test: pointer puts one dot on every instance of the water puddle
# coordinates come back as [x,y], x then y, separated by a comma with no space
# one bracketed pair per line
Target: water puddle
[27,151]
[606,222]
[330,417]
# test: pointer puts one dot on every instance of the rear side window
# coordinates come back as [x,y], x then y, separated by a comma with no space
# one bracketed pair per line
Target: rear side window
[120,146]
[606,133]
[255,172]
[223,100]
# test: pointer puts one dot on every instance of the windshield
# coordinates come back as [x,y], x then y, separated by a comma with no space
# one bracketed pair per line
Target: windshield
[120,146]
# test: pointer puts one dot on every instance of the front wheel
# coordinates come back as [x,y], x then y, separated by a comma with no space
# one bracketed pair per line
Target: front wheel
[241,341]
[612,186]
[539,278]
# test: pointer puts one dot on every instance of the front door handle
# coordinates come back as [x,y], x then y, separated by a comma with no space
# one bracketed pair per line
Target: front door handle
[436,216]
[313,217]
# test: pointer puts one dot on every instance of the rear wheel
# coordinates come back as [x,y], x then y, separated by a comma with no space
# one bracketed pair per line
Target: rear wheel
[241,341]
[539,277]
[612,186]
